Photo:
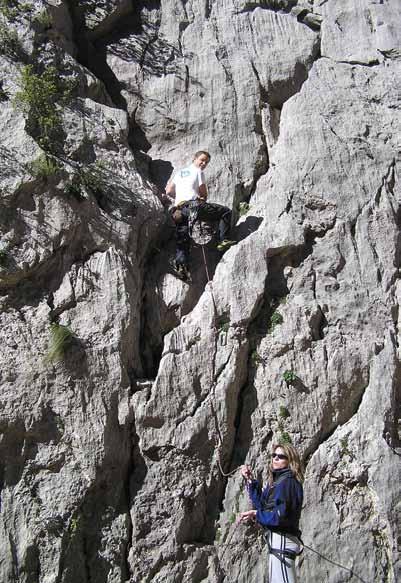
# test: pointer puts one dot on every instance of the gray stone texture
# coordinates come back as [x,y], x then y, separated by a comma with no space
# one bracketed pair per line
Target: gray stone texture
[113,459]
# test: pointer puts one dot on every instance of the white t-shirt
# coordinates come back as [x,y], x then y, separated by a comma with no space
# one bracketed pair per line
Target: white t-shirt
[187,182]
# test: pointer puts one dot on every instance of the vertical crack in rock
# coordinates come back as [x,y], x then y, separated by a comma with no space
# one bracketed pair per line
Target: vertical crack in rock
[94,57]
[388,182]
[263,165]
[208,8]
[93,47]
[392,421]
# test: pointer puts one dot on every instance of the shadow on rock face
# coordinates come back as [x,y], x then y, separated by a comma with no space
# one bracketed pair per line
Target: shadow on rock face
[75,360]
[160,171]
[246,228]
[248,403]
[20,445]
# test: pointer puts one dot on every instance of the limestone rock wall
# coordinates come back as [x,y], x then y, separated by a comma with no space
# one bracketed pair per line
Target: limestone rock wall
[113,457]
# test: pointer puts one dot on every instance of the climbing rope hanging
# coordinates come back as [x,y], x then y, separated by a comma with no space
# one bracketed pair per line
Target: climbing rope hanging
[202,242]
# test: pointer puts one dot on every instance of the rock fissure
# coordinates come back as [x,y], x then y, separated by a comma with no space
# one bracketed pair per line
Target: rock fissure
[93,59]
[373,63]
[387,183]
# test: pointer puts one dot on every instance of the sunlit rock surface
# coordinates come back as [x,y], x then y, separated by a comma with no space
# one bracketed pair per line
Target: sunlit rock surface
[113,456]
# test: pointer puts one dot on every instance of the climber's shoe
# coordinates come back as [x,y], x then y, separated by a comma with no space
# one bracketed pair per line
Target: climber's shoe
[225,244]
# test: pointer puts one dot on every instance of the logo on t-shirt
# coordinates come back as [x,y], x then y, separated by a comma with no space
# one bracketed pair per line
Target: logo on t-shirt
[185,173]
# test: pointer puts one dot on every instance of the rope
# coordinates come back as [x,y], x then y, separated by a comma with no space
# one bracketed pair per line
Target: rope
[219,439]
[206,269]
[353,574]
[222,472]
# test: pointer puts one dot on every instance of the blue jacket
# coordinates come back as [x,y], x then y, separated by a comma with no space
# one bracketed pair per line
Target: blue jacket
[285,503]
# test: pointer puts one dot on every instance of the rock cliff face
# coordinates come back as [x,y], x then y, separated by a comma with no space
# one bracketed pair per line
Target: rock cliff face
[128,395]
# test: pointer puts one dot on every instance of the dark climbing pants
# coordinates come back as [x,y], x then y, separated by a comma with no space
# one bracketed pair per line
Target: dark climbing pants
[205,211]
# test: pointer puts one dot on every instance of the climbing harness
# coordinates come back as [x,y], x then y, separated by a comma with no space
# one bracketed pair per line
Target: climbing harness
[282,554]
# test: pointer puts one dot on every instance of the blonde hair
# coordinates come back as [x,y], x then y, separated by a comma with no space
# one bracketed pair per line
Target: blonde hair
[294,462]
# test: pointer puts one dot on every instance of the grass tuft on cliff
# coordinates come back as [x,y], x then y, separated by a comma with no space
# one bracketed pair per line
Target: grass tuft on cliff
[60,339]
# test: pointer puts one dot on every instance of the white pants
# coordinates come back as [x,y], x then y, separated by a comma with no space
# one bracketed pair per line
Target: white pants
[282,568]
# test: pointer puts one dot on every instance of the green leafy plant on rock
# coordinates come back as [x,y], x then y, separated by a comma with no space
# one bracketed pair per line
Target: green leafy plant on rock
[231,518]
[256,358]
[74,524]
[275,320]
[223,324]
[9,9]
[91,179]
[43,19]
[243,208]
[284,438]
[10,43]
[283,412]
[84,180]
[289,377]
[43,167]
[40,98]
[60,339]
[344,448]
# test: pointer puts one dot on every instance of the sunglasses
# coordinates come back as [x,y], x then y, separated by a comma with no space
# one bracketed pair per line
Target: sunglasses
[280,456]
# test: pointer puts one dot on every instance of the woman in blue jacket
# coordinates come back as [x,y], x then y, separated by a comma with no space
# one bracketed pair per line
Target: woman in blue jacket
[278,508]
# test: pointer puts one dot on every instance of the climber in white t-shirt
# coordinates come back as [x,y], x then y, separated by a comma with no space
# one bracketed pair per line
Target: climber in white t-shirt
[189,183]
[188,186]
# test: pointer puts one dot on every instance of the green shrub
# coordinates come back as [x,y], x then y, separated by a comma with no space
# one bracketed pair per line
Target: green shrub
[43,19]
[284,438]
[9,9]
[39,97]
[74,188]
[289,376]
[60,339]
[84,180]
[243,208]
[223,323]
[43,167]
[283,412]
[344,448]
[10,43]
[256,358]
[91,179]
[74,524]
[275,320]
